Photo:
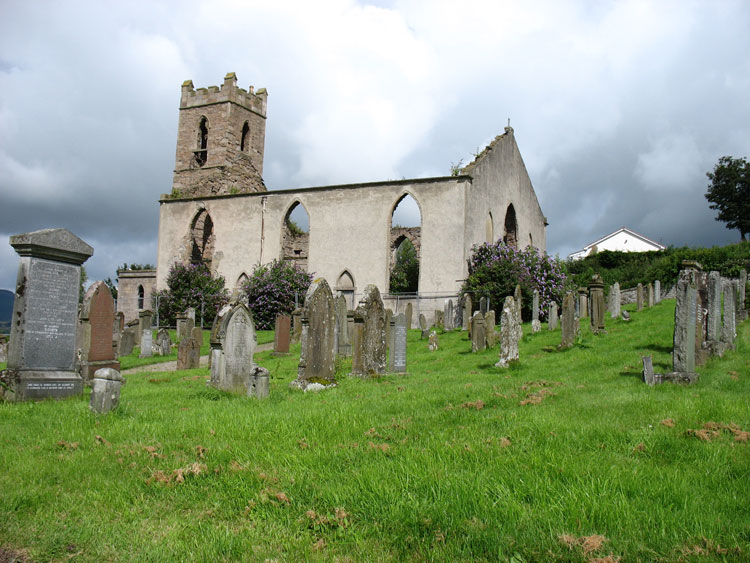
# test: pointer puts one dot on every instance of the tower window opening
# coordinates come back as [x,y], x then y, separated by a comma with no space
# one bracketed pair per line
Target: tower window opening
[201,155]
[244,139]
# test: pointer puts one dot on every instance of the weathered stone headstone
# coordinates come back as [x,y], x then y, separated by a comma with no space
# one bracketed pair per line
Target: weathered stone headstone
[536,325]
[398,349]
[458,314]
[448,315]
[713,327]
[190,313]
[42,350]
[639,297]
[344,347]
[186,353]
[625,316]
[127,342]
[423,326]
[105,390]
[145,318]
[741,297]
[683,355]
[438,319]
[583,303]
[596,296]
[180,320]
[508,334]
[433,343]
[372,311]
[388,318]
[518,296]
[282,334]
[233,343]
[409,315]
[117,327]
[358,333]
[135,325]
[163,342]
[147,343]
[569,321]
[650,295]
[317,362]
[478,335]
[350,330]
[296,325]
[648,370]
[552,319]
[657,291]
[99,309]
[483,305]
[3,348]
[614,300]
[729,326]
[466,317]
[701,300]
[489,328]
[197,335]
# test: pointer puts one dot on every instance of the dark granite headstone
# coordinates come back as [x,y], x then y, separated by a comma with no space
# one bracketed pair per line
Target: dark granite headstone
[99,308]
[42,351]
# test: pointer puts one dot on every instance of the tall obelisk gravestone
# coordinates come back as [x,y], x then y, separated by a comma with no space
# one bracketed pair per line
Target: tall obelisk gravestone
[42,353]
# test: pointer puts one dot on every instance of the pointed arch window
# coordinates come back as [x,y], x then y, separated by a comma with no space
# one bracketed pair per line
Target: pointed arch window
[511,227]
[202,239]
[201,152]
[245,138]
[295,236]
[405,245]
[141,297]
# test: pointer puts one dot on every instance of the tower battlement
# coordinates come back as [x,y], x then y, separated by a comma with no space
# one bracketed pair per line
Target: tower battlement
[227,92]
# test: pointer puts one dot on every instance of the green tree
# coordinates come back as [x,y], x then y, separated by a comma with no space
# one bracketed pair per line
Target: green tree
[729,193]
[405,272]
[191,285]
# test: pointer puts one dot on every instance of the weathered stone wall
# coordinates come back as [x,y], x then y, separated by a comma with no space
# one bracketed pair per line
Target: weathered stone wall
[127,291]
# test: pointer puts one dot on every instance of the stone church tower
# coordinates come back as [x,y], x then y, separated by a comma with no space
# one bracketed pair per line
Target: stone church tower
[220,140]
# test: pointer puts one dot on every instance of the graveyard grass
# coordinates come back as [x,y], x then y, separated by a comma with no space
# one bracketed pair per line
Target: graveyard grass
[564,456]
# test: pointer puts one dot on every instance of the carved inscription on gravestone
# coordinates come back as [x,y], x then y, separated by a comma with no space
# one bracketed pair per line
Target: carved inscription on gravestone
[399,344]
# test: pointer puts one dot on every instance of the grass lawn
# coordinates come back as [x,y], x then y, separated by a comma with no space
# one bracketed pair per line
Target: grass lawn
[566,456]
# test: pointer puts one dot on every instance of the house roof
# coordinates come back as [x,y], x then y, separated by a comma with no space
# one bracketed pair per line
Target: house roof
[585,249]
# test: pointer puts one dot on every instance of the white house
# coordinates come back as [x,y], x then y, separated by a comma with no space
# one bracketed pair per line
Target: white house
[623,240]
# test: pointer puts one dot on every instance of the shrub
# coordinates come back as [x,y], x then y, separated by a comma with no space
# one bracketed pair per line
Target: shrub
[191,285]
[405,272]
[270,291]
[496,268]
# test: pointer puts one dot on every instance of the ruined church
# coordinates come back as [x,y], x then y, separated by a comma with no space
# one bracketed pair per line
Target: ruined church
[219,211]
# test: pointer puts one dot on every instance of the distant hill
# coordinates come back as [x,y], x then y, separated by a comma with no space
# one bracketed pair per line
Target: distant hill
[6,309]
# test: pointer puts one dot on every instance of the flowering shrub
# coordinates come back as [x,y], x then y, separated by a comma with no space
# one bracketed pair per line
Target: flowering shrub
[270,291]
[191,285]
[495,269]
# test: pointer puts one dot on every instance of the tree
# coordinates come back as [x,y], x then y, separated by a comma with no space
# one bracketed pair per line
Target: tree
[271,289]
[191,285]
[405,272]
[729,193]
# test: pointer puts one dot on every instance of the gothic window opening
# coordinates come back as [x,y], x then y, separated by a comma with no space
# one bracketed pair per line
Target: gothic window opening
[489,229]
[511,228]
[202,239]
[201,154]
[295,236]
[245,139]
[405,246]
[345,286]
[141,297]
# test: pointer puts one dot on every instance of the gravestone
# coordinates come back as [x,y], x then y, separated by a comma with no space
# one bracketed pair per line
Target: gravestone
[105,390]
[683,354]
[478,335]
[42,350]
[186,353]
[741,292]
[390,334]
[358,332]
[350,330]
[458,316]
[650,295]
[508,332]
[625,316]
[398,349]
[518,296]
[448,315]
[657,291]
[135,325]
[296,325]
[127,342]
[423,326]
[119,321]
[282,334]
[147,343]
[729,326]
[99,309]
[409,315]
[145,318]
[388,318]
[569,321]
[233,342]
[583,303]
[701,300]
[117,328]
[163,342]
[342,331]
[3,348]
[466,316]
[438,319]
[372,312]
[433,342]
[536,325]
[180,321]
[197,335]
[596,297]
[713,326]
[614,300]
[639,297]
[190,313]
[552,319]
[483,305]
[648,371]
[317,363]
[489,328]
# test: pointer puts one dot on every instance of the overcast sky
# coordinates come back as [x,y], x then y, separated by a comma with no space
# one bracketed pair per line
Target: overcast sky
[619,108]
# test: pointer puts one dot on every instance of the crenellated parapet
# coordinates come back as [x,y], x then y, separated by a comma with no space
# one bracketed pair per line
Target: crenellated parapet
[227,92]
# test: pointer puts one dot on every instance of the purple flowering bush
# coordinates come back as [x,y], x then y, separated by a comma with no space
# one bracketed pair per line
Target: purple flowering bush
[191,285]
[496,268]
[270,291]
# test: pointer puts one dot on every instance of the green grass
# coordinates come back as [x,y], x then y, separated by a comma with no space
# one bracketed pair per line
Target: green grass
[440,464]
